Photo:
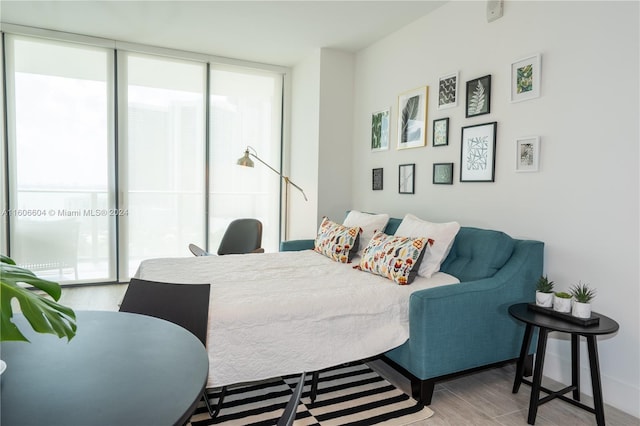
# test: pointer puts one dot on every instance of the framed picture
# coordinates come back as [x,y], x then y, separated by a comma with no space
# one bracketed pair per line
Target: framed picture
[478,96]
[478,153]
[448,91]
[525,79]
[441,132]
[380,130]
[412,118]
[376,179]
[527,154]
[406,178]
[443,173]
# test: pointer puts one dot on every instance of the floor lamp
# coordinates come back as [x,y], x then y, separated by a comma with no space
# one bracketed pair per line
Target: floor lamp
[246,161]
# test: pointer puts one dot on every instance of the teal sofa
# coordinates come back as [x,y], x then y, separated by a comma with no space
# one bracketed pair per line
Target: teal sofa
[458,328]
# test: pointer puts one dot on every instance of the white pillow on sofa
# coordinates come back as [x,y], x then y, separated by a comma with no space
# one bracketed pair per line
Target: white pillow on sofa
[369,223]
[442,235]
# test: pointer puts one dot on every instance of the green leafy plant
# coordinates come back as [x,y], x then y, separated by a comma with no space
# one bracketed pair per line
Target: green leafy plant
[583,293]
[563,295]
[544,285]
[44,315]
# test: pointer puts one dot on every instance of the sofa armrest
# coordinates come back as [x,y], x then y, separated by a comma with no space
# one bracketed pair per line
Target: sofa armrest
[296,245]
[461,326]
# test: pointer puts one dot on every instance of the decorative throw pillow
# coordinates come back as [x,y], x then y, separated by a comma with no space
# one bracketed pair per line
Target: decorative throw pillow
[442,235]
[393,257]
[337,242]
[369,223]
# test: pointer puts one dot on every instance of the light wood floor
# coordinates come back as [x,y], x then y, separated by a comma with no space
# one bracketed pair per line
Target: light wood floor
[478,399]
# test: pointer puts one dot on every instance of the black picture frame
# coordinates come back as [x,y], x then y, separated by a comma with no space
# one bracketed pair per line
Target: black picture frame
[478,97]
[478,152]
[440,132]
[406,178]
[443,173]
[377,181]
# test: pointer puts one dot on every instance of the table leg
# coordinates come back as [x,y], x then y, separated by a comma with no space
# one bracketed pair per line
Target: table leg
[594,365]
[575,365]
[526,341]
[537,375]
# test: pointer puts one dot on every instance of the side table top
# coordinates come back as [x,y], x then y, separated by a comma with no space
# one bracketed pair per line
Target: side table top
[522,312]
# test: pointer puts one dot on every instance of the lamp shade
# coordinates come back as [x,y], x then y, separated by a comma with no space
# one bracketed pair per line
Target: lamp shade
[245,160]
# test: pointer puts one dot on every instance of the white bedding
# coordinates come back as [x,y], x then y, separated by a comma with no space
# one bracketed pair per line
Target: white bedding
[279,313]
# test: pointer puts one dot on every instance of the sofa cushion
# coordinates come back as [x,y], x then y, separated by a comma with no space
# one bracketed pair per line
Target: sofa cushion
[337,242]
[477,253]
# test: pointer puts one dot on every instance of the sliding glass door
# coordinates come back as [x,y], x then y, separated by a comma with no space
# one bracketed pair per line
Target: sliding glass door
[61,144]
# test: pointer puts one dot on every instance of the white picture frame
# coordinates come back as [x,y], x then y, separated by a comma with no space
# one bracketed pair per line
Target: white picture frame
[448,90]
[528,154]
[412,118]
[380,121]
[525,78]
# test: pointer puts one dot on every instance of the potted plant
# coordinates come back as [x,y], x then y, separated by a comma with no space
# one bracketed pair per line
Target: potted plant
[583,295]
[544,292]
[43,314]
[562,301]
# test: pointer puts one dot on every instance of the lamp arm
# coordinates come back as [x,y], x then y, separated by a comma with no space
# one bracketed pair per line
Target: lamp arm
[286,178]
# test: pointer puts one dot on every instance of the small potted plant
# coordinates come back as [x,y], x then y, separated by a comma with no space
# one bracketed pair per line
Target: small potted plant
[562,301]
[583,295]
[544,292]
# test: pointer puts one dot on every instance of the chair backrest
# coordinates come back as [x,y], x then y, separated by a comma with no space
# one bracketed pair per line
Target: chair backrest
[242,236]
[186,305]
[198,251]
[287,418]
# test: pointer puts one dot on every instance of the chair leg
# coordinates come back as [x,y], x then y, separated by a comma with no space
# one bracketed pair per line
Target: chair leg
[313,393]
[213,412]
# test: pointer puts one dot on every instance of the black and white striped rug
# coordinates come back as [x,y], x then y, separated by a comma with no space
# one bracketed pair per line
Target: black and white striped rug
[349,395]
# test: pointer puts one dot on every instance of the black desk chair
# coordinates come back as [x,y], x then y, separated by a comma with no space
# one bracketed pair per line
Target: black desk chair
[186,305]
[242,236]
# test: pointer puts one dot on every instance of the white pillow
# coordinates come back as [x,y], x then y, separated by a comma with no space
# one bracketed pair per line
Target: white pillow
[442,235]
[370,223]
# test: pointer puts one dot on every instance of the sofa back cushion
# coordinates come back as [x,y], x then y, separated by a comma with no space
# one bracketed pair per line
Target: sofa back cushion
[477,253]
[392,225]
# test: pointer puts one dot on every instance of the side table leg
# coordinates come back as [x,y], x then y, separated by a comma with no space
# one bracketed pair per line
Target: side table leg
[575,365]
[537,375]
[594,365]
[526,341]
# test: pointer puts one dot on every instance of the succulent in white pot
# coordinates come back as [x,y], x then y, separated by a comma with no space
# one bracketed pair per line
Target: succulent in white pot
[582,295]
[544,292]
[562,302]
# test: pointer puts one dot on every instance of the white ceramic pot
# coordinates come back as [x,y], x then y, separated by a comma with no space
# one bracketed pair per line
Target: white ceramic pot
[561,305]
[581,310]
[544,299]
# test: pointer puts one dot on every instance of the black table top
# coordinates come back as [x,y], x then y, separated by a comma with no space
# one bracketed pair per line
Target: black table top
[522,312]
[120,369]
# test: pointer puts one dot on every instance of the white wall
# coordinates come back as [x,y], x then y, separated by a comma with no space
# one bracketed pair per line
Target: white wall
[583,203]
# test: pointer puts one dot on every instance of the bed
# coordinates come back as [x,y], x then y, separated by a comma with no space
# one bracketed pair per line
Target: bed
[273,314]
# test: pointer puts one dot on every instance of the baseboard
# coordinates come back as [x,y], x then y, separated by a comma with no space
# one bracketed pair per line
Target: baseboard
[615,393]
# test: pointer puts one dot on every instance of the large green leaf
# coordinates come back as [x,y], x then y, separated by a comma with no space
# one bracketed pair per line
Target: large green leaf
[44,315]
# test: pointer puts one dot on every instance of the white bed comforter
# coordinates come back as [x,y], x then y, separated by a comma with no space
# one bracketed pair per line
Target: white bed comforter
[279,313]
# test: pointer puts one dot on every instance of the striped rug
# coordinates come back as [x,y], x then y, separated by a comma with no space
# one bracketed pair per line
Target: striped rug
[348,395]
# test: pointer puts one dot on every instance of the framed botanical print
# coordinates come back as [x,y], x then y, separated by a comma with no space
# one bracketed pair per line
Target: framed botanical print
[376,179]
[412,118]
[443,173]
[525,79]
[441,132]
[448,91]
[478,153]
[478,96]
[380,130]
[406,178]
[527,154]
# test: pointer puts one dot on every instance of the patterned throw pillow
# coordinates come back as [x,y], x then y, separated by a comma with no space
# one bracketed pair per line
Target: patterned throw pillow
[337,242]
[394,257]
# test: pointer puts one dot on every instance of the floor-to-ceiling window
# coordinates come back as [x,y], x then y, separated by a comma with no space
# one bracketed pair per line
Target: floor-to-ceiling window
[60,151]
[109,158]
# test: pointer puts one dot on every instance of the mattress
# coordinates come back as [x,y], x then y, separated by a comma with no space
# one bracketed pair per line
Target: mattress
[273,314]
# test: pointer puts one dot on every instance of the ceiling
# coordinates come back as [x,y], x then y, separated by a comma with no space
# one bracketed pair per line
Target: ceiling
[272,32]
